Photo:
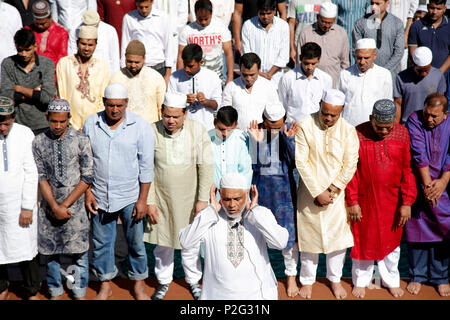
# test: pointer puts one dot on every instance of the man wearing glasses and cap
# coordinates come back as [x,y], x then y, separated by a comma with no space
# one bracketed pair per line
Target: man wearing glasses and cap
[379,199]
[18,202]
[326,155]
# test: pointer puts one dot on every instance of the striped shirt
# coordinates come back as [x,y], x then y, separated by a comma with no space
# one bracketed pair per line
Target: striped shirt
[271,46]
[348,12]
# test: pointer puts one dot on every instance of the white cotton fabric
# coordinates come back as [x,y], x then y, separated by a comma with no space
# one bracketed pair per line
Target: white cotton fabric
[308,266]
[175,99]
[116,91]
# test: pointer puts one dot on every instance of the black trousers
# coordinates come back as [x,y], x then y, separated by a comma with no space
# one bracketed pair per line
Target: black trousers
[30,274]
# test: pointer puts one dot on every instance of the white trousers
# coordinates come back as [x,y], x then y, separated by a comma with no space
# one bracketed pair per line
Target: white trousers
[164,264]
[309,261]
[290,257]
[362,271]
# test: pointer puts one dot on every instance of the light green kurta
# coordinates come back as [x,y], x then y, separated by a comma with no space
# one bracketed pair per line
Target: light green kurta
[184,174]
[324,157]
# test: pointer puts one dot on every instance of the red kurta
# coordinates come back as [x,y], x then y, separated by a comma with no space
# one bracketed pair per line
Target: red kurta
[112,12]
[382,183]
[52,43]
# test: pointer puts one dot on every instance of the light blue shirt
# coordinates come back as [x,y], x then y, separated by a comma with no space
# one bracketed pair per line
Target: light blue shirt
[121,161]
[231,155]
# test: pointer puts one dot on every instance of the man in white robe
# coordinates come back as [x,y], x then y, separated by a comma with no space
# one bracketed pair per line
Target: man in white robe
[11,23]
[364,83]
[326,156]
[235,234]
[18,202]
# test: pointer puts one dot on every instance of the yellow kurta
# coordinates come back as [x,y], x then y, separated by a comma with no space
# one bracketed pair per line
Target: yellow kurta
[145,92]
[324,157]
[81,105]
[184,173]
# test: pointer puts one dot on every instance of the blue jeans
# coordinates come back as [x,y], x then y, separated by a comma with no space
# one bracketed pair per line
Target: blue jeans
[79,270]
[104,237]
[429,261]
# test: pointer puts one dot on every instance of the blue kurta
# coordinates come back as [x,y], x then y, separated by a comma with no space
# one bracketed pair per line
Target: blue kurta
[273,165]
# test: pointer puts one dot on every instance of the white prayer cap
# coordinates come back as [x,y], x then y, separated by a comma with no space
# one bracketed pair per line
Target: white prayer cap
[366,43]
[328,10]
[175,99]
[274,111]
[87,32]
[333,97]
[116,91]
[91,18]
[422,7]
[233,180]
[422,56]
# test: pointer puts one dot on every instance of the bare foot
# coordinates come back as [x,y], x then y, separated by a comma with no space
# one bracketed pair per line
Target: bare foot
[56,297]
[105,291]
[396,292]
[413,287]
[305,291]
[372,286]
[81,298]
[292,288]
[338,290]
[139,291]
[35,297]
[359,292]
[4,295]
[444,290]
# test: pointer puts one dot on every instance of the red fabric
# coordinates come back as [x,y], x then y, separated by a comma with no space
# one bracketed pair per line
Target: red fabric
[382,183]
[112,12]
[52,44]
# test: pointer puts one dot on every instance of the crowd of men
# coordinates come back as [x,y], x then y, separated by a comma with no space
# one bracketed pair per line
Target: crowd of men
[221,128]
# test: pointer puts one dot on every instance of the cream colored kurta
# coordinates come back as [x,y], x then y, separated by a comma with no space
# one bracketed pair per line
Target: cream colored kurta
[18,190]
[324,157]
[82,105]
[145,92]
[184,174]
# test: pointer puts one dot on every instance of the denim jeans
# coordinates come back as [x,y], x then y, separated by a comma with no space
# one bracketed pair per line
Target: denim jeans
[104,237]
[79,270]
[429,261]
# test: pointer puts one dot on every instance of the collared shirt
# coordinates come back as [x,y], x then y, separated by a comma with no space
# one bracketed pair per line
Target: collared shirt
[335,48]
[422,33]
[121,161]
[249,105]
[403,9]
[271,46]
[11,23]
[205,81]
[107,47]
[154,31]
[362,90]
[231,155]
[211,39]
[389,36]
[68,13]
[29,112]
[301,96]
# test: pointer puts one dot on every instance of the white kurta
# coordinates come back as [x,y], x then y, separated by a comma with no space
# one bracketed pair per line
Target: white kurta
[362,90]
[205,81]
[250,105]
[107,47]
[253,277]
[69,13]
[18,190]
[11,23]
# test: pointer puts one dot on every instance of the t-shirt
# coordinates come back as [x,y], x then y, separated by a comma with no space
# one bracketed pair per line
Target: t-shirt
[304,12]
[413,93]
[250,8]
[210,38]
